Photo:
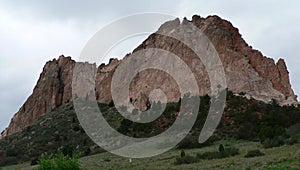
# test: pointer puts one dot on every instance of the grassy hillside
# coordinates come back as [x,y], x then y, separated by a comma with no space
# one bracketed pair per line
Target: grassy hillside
[259,125]
[58,129]
[285,157]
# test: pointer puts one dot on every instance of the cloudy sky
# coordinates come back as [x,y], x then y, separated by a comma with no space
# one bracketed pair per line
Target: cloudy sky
[33,32]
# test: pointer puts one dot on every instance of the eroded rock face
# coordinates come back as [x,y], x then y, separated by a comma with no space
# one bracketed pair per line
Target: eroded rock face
[52,90]
[246,69]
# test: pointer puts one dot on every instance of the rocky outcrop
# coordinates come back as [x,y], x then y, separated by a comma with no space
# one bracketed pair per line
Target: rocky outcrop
[52,90]
[246,69]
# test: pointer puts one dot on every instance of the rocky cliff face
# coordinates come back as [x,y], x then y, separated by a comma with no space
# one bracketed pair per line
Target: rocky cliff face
[246,69]
[52,90]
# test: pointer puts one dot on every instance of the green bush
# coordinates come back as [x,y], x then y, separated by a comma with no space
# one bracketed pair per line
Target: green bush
[103,106]
[231,151]
[227,152]
[274,142]
[188,142]
[76,128]
[171,107]
[254,153]
[10,152]
[209,155]
[111,104]
[246,131]
[270,132]
[59,162]
[182,154]
[221,148]
[8,160]
[291,141]
[191,141]
[34,161]
[68,150]
[87,151]
[106,159]
[186,160]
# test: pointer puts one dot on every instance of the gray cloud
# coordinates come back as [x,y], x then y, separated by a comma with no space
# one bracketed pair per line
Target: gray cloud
[33,32]
[89,10]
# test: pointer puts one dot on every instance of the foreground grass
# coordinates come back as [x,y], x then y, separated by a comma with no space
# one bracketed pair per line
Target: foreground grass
[23,166]
[285,157]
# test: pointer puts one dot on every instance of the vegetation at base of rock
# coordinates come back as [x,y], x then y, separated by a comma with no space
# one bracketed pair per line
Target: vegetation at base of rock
[182,154]
[55,130]
[221,148]
[292,140]
[221,153]
[284,157]
[254,153]
[243,118]
[254,120]
[186,160]
[59,161]
[226,152]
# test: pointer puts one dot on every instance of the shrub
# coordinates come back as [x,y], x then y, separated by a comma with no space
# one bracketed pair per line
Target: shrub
[209,155]
[186,160]
[274,142]
[104,107]
[34,161]
[221,148]
[254,153]
[68,150]
[87,151]
[227,152]
[8,160]
[172,107]
[231,151]
[111,104]
[76,128]
[187,142]
[291,141]
[246,131]
[59,162]
[182,154]
[191,141]
[106,159]
[10,152]
[269,132]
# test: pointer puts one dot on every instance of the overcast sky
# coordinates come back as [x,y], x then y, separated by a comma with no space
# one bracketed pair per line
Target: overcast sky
[34,31]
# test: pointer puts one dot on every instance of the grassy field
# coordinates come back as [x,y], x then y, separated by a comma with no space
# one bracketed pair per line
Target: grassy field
[285,157]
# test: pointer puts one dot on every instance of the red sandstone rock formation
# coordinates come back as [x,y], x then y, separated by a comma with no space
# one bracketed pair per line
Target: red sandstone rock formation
[247,70]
